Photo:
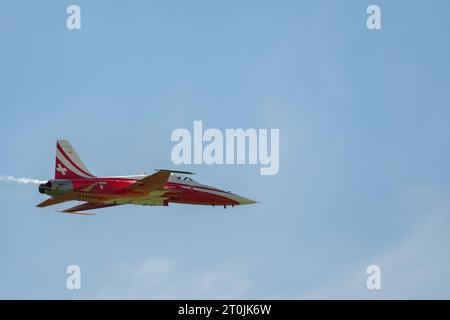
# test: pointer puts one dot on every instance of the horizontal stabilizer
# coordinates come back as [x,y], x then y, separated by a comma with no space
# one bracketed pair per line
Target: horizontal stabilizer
[87,206]
[84,213]
[51,201]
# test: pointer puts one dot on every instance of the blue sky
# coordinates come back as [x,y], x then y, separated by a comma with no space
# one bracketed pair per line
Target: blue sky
[363,118]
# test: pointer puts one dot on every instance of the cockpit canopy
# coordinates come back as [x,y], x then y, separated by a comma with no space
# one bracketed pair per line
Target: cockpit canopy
[183,179]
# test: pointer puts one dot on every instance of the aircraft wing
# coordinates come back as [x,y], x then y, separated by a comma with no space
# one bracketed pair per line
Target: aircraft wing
[153,182]
[87,206]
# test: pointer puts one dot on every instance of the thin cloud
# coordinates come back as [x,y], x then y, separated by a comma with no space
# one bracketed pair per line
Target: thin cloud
[161,278]
[417,262]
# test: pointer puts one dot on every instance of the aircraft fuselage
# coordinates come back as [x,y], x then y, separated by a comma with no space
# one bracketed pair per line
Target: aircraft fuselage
[177,189]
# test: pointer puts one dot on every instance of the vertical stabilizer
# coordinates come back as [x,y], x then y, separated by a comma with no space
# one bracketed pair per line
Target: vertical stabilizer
[68,164]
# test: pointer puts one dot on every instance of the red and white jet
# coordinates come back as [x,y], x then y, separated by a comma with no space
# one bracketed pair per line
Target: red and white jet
[73,181]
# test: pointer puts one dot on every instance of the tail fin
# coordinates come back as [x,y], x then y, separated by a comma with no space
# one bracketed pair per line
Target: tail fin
[68,164]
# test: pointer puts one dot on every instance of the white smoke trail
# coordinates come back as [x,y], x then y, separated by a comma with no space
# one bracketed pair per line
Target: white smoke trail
[21,180]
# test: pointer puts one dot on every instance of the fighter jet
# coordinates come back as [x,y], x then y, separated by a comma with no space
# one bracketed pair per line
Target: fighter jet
[73,181]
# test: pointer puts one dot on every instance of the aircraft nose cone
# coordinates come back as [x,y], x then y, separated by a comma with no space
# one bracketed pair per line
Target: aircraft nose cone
[243,200]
